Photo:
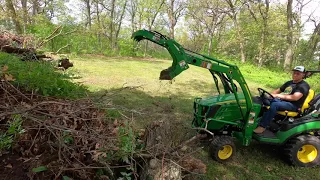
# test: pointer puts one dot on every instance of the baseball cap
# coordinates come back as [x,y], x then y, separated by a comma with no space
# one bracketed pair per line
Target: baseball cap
[299,68]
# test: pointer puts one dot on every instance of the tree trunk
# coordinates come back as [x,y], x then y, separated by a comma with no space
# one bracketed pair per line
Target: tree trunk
[262,43]
[211,31]
[35,7]
[25,14]
[48,9]
[140,21]
[240,39]
[113,3]
[99,24]
[290,42]
[133,15]
[211,40]
[278,57]
[233,15]
[210,44]
[155,15]
[171,18]
[13,16]
[243,56]
[153,19]
[88,8]
[261,50]
[132,12]
[120,22]
[98,13]
[288,58]
[312,43]
[265,16]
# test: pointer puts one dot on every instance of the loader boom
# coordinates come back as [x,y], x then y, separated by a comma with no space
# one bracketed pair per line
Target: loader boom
[182,58]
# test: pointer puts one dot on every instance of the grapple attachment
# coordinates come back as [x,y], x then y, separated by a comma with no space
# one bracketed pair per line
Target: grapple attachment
[165,74]
[176,51]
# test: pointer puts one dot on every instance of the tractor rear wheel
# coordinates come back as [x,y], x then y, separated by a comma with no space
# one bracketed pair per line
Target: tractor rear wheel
[222,148]
[303,151]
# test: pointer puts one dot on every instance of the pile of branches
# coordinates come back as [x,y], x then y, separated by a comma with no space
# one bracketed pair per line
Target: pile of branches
[62,136]
[22,46]
[12,43]
[74,138]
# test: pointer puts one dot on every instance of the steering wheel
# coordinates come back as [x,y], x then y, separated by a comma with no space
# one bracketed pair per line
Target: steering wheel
[265,96]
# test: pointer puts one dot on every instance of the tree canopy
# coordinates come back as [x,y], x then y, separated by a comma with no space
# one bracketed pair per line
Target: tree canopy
[265,32]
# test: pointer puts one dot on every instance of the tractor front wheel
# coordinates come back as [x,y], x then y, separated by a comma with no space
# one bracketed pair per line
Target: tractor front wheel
[303,151]
[222,148]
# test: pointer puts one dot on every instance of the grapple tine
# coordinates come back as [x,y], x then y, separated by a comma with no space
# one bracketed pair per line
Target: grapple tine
[137,38]
[165,74]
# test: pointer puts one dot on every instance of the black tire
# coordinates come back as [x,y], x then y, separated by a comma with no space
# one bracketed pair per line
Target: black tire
[222,148]
[303,151]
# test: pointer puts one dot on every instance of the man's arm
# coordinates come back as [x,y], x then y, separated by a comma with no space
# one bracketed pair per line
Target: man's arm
[289,97]
[277,91]
[281,89]
[300,91]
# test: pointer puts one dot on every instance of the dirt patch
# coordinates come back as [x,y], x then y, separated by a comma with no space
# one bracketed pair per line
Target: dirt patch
[13,167]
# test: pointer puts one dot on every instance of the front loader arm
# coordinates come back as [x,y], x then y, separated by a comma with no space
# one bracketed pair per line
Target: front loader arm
[182,57]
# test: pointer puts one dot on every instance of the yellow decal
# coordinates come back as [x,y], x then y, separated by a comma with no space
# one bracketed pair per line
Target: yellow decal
[288,90]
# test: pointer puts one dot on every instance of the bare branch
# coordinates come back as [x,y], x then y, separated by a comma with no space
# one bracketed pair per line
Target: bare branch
[62,48]
[251,12]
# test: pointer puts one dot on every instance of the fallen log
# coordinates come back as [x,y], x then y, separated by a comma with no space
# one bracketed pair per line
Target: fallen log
[15,50]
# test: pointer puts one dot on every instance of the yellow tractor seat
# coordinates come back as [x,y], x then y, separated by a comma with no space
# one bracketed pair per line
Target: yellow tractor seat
[301,110]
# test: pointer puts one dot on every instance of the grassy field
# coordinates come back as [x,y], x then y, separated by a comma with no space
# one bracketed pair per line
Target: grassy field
[132,85]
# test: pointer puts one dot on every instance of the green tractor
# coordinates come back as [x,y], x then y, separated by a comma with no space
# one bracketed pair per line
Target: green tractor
[236,113]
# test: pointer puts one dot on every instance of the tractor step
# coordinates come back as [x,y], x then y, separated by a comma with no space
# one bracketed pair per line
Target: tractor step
[266,134]
[267,137]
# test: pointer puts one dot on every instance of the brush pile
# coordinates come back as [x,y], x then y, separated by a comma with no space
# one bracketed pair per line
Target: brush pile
[51,138]
[57,136]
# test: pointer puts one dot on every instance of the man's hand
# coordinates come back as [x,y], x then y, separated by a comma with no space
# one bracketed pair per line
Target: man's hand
[289,97]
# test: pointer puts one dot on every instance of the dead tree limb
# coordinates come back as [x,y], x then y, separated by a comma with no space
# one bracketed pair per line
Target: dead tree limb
[51,36]
[62,48]
[57,28]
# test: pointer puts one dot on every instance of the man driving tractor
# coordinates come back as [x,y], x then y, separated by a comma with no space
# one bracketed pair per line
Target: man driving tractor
[233,113]
[292,97]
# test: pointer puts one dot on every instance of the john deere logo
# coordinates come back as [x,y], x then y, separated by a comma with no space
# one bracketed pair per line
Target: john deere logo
[288,90]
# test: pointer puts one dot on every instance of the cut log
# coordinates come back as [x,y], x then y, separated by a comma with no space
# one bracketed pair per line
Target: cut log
[16,50]
[65,63]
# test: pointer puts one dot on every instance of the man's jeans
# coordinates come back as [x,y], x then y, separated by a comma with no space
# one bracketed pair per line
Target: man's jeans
[276,105]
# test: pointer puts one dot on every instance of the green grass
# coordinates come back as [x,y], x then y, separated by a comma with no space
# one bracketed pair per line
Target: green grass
[132,84]
[40,78]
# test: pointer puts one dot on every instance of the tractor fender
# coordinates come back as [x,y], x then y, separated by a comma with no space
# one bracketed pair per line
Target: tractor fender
[299,128]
